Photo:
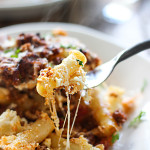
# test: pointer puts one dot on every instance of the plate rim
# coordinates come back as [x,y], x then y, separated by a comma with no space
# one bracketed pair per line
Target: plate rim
[29,5]
[69,26]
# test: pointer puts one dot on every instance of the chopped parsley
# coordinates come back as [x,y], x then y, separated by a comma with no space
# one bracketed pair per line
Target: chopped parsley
[17,51]
[145,83]
[72,47]
[80,62]
[7,51]
[16,54]
[69,46]
[137,119]
[62,46]
[51,64]
[115,137]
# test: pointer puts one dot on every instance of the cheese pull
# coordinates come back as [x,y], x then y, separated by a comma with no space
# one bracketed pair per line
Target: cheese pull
[68,74]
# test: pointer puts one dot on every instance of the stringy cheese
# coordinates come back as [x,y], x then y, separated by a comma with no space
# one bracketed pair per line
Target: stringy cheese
[68,134]
[75,116]
[69,75]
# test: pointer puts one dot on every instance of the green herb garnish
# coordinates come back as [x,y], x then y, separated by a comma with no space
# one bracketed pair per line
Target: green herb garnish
[62,46]
[51,64]
[7,51]
[137,119]
[145,83]
[115,137]
[17,51]
[16,54]
[72,47]
[80,62]
[69,46]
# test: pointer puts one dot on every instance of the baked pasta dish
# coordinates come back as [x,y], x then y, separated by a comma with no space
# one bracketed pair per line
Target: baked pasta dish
[43,104]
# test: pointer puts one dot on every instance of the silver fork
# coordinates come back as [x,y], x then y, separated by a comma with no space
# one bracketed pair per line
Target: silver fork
[102,72]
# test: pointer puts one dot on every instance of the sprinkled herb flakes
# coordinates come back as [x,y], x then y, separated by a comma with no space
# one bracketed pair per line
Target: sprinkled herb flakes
[137,119]
[80,62]
[16,54]
[7,51]
[115,137]
[69,46]
[145,83]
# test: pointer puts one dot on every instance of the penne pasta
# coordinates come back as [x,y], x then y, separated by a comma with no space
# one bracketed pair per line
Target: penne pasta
[75,143]
[9,123]
[102,115]
[29,138]
[114,98]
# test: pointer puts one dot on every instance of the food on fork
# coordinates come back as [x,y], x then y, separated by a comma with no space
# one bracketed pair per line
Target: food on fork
[69,74]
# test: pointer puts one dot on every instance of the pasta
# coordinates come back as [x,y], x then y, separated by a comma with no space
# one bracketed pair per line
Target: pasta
[115,98]
[103,115]
[29,138]
[70,75]
[75,143]
[9,123]
[54,68]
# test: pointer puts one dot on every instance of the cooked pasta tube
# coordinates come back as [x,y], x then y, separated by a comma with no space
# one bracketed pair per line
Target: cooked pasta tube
[70,75]
[9,123]
[102,114]
[29,138]
[115,98]
[75,143]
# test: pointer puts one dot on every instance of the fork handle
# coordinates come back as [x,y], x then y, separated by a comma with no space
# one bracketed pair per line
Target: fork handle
[132,51]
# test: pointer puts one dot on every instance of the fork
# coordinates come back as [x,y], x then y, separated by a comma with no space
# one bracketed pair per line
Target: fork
[102,72]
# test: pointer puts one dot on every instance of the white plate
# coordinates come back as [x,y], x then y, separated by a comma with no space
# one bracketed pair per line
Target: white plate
[129,75]
[27,9]
[6,4]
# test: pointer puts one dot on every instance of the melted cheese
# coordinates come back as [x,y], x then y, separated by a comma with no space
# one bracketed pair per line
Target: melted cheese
[68,128]
[69,75]
[75,116]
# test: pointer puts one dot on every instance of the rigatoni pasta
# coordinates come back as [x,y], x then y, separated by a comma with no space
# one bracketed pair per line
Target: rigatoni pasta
[75,143]
[29,139]
[10,123]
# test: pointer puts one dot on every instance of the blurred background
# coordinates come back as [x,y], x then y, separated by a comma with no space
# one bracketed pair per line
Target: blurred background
[128,21]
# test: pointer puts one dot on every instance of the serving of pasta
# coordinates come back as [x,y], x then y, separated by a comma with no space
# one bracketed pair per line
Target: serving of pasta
[43,104]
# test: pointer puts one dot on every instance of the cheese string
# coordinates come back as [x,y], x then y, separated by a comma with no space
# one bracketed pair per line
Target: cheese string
[76,113]
[49,103]
[68,112]
[62,128]
[52,107]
